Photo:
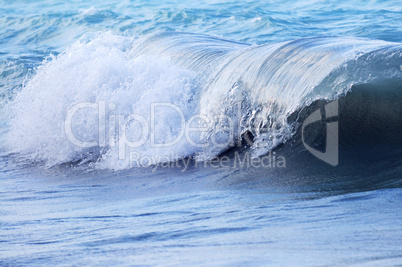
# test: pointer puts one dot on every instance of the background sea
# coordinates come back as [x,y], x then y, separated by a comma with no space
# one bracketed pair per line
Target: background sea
[65,204]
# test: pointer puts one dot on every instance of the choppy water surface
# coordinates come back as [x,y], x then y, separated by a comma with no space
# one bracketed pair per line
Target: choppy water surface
[266,67]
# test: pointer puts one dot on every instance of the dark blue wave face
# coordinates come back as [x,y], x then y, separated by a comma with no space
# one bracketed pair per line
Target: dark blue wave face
[200,133]
[285,83]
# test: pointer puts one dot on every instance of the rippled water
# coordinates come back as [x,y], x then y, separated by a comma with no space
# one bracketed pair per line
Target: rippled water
[67,206]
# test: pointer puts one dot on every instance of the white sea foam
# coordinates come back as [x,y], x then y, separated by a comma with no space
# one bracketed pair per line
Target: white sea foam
[89,11]
[96,70]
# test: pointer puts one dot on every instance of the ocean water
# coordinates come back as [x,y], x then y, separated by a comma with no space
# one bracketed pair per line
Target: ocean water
[201,133]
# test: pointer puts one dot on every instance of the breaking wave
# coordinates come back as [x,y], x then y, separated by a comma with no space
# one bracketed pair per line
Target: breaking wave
[174,95]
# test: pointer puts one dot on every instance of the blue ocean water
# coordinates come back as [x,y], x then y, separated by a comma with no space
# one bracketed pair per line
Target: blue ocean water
[93,97]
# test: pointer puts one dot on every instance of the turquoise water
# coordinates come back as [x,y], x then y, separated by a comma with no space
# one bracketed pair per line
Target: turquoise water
[264,67]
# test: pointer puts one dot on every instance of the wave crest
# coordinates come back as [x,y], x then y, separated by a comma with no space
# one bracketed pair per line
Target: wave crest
[258,90]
